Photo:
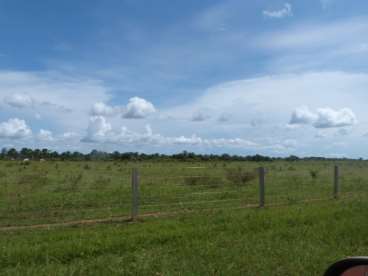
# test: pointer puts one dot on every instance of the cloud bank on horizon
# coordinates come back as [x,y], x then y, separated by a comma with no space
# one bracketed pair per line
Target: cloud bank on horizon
[211,77]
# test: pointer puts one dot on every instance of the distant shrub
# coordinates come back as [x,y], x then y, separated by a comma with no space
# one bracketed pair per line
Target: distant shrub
[313,174]
[203,180]
[240,176]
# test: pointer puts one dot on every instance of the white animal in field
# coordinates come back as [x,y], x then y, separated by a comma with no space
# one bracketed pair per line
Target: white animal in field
[25,160]
[42,160]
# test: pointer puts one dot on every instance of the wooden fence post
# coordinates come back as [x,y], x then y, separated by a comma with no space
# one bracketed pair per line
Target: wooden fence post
[336,182]
[135,194]
[261,187]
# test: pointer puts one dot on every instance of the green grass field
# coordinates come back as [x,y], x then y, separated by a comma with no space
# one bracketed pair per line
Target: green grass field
[208,228]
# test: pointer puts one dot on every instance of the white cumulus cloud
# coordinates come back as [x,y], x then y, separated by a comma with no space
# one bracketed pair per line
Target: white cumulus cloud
[103,109]
[284,12]
[323,117]
[19,100]
[98,129]
[45,135]
[302,115]
[57,97]
[14,128]
[327,118]
[138,108]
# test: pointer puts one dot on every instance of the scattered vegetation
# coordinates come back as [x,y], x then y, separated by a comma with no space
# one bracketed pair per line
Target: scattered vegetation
[43,185]
[209,181]
[47,192]
[240,176]
[313,174]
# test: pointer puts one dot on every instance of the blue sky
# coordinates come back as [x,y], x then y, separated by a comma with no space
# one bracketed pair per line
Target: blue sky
[243,77]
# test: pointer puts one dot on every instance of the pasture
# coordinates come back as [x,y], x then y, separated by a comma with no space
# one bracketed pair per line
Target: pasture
[196,217]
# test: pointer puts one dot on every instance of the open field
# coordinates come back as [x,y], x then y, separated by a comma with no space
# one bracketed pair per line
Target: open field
[219,235]
[47,192]
[294,240]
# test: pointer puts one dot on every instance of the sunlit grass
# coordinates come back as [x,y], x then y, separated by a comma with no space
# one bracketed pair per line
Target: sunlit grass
[46,192]
[217,237]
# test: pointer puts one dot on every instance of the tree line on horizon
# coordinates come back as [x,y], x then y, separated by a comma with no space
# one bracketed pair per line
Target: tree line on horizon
[38,154]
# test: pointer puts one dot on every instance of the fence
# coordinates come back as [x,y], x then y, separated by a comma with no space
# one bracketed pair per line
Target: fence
[201,192]
[52,192]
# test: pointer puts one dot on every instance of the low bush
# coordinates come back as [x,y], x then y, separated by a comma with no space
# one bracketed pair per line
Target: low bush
[203,180]
[313,174]
[240,176]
